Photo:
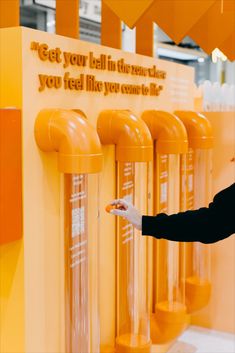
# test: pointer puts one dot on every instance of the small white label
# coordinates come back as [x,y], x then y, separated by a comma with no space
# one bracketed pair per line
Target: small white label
[163,192]
[190,182]
[129,232]
[78,245]
[127,240]
[78,221]
[127,185]
[78,196]
[127,226]
[77,262]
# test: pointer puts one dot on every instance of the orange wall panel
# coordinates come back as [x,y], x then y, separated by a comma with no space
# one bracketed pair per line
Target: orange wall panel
[10,176]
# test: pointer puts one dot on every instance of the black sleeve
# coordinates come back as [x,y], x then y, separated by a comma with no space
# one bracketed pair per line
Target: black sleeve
[206,225]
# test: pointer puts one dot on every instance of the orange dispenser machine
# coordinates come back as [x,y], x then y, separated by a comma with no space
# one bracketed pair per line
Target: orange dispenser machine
[79,156]
[169,316]
[133,152]
[196,165]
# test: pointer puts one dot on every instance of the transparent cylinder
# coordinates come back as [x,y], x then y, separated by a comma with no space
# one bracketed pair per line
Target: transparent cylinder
[169,292]
[198,255]
[81,263]
[133,326]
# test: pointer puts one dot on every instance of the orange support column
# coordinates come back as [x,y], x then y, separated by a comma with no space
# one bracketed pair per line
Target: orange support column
[67,18]
[111,28]
[9,13]
[144,36]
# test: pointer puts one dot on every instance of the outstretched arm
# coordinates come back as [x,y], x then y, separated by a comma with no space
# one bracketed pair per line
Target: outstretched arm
[206,225]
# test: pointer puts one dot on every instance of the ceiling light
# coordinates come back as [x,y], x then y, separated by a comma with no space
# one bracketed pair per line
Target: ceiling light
[201,60]
[218,55]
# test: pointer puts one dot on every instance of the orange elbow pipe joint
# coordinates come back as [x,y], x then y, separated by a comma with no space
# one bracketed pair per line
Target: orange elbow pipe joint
[198,128]
[130,135]
[168,130]
[71,135]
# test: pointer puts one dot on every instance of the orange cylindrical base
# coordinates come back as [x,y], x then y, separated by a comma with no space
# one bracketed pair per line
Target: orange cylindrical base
[168,323]
[132,344]
[107,349]
[197,293]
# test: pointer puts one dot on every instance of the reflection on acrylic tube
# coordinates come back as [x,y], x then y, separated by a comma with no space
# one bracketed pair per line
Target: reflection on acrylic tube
[196,194]
[133,332]
[76,269]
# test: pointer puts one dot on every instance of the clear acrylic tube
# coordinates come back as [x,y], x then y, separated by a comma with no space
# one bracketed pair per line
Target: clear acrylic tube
[198,255]
[202,197]
[133,331]
[169,318]
[80,263]
[169,285]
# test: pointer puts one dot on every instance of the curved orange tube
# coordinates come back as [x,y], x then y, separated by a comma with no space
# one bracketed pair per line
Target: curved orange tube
[130,135]
[168,130]
[73,137]
[199,129]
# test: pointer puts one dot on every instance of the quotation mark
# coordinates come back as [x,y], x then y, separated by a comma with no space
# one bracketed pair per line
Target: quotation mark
[34,46]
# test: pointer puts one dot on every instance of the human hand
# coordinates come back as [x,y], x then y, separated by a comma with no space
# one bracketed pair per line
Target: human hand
[126,210]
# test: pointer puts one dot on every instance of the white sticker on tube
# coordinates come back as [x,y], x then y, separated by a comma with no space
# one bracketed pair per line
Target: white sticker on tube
[190,182]
[163,193]
[78,221]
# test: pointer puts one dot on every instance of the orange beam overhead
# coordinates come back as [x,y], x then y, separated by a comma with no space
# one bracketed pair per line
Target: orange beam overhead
[215,26]
[129,11]
[111,28]
[145,36]
[176,17]
[228,47]
[67,18]
[9,13]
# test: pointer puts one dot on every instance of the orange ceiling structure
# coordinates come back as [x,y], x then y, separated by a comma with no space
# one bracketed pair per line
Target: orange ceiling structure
[177,17]
[215,26]
[129,11]
[228,47]
[210,23]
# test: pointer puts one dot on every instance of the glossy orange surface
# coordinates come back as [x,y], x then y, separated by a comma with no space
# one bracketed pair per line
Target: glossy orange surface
[73,137]
[11,213]
[129,133]
[198,128]
[168,130]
